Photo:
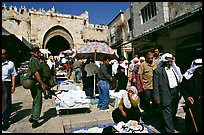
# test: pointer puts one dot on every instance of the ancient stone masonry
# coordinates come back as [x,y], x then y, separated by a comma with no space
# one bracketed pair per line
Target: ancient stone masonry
[39,26]
[180,8]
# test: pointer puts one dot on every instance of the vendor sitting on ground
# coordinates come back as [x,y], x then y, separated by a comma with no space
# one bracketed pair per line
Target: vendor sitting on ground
[128,108]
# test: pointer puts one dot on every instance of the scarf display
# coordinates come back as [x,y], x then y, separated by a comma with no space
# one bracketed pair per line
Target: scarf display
[126,100]
[194,65]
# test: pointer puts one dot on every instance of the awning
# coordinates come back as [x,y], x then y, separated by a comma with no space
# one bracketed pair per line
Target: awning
[21,38]
[45,51]
[25,41]
[17,50]
[5,32]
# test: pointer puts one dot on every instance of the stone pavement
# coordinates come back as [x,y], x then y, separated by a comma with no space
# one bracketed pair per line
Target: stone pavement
[54,123]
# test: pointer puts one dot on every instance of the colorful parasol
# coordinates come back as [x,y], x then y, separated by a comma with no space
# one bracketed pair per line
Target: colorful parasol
[88,50]
[96,51]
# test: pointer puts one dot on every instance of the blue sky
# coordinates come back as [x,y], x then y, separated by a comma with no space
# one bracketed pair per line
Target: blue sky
[99,12]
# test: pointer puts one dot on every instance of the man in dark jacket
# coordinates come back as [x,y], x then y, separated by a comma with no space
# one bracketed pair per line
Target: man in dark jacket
[165,90]
[191,89]
[104,77]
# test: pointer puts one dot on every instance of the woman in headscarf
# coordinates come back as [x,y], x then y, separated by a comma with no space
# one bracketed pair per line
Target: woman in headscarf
[128,107]
[191,90]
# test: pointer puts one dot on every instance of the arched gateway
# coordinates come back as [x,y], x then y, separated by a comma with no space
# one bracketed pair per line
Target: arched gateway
[50,29]
[57,39]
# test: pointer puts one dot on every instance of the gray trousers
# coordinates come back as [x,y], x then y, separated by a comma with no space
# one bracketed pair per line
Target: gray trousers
[168,112]
[36,93]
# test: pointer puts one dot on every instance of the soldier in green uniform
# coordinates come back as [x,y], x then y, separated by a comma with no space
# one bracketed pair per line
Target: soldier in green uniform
[35,72]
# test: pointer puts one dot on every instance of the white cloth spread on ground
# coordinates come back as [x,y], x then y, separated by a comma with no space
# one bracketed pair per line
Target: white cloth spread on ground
[131,126]
[90,130]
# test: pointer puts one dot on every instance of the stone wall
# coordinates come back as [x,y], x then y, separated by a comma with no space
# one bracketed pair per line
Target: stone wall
[33,25]
[15,22]
[140,27]
[181,8]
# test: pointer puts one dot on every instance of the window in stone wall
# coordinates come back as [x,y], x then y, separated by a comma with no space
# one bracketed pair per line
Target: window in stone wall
[111,39]
[130,24]
[148,12]
[21,11]
[84,22]
[32,40]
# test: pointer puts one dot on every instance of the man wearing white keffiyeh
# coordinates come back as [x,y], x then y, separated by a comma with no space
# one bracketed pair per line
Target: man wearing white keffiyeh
[194,65]
[166,80]
[128,108]
[191,89]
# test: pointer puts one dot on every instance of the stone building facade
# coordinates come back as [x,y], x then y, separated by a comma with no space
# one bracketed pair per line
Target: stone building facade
[46,28]
[116,32]
[160,24]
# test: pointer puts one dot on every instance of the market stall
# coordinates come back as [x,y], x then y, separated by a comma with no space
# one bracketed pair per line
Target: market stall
[70,96]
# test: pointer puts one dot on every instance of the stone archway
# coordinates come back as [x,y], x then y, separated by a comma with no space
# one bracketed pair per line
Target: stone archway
[57,39]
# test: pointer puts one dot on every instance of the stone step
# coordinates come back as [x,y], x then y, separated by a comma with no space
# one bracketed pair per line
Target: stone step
[94,118]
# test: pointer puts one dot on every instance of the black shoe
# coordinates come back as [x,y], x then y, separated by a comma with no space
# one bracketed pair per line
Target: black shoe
[45,94]
[49,96]
[31,119]
[36,124]
[45,97]
[5,126]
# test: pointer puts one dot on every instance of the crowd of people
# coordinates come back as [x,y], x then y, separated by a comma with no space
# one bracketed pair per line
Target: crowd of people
[154,84]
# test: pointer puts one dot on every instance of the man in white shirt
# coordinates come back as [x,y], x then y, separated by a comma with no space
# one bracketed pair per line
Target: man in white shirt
[90,69]
[9,78]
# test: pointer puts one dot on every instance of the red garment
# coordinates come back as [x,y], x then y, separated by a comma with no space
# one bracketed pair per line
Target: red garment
[67,66]
[136,76]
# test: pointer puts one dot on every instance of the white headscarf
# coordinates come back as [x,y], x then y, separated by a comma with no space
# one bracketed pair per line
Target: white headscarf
[126,100]
[194,65]
[125,65]
[169,57]
[165,57]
